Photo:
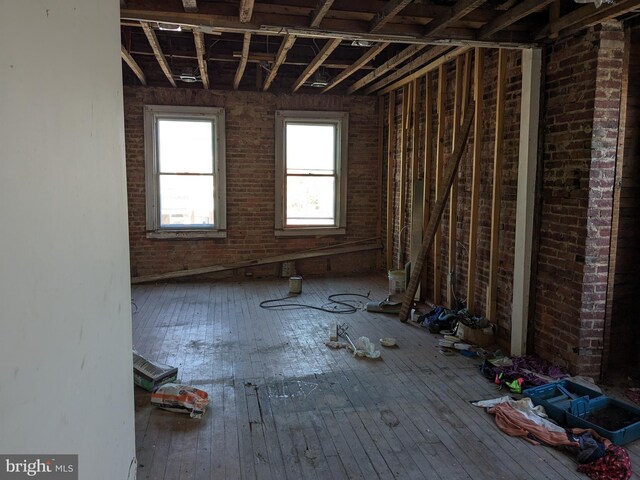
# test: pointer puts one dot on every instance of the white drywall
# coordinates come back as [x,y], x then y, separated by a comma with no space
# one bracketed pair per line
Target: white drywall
[65,313]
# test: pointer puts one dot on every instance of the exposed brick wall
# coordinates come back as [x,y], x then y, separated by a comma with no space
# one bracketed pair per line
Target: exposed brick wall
[250,145]
[582,96]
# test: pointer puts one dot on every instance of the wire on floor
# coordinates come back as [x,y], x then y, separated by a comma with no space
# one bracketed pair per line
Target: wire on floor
[342,306]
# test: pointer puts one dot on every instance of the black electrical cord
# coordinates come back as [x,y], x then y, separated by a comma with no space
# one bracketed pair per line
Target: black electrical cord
[340,306]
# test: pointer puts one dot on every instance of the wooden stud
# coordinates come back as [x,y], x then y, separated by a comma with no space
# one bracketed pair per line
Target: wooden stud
[322,7]
[258,76]
[417,187]
[428,155]
[494,253]
[390,164]
[441,200]
[525,201]
[478,92]
[157,51]
[511,16]
[390,10]
[243,61]
[453,195]
[198,38]
[386,67]
[246,10]
[459,10]
[425,58]
[554,15]
[380,156]
[406,92]
[328,47]
[442,93]
[285,46]
[357,65]
[190,6]
[133,65]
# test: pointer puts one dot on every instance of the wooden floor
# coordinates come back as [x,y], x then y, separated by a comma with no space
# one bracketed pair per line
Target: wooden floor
[283,405]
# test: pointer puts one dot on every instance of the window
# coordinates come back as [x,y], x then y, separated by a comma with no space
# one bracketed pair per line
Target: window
[185,171]
[311,172]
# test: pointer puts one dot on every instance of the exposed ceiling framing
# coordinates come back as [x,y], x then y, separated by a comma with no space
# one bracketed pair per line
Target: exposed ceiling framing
[364,46]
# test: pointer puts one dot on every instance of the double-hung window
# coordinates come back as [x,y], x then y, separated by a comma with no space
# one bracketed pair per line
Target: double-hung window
[185,171]
[311,172]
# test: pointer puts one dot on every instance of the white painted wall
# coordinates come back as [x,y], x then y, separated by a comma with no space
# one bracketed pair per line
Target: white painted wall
[65,314]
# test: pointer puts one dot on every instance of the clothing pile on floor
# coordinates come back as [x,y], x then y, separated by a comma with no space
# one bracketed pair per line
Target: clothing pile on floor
[597,456]
[526,371]
[441,318]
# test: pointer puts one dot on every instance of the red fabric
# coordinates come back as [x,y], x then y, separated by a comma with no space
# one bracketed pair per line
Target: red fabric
[615,465]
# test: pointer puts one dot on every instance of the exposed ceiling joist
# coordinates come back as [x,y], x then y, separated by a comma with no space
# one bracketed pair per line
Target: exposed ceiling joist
[190,5]
[198,38]
[243,60]
[157,51]
[447,57]
[285,46]
[459,10]
[265,24]
[391,9]
[511,16]
[428,56]
[133,65]
[357,65]
[322,7]
[386,67]
[328,47]
[246,10]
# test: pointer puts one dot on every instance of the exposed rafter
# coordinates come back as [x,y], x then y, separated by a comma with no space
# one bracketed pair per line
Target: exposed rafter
[357,65]
[459,10]
[157,51]
[285,46]
[246,10]
[198,38]
[391,9]
[329,47]
[386,67]
[511,16]
[322,7]
[190,5]
[243,60]
[426,57]
[133,65]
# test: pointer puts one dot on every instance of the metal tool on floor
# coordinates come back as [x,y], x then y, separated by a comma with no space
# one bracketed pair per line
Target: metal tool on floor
[362,347]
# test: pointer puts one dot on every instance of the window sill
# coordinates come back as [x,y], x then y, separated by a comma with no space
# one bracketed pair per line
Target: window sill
[186,234]
[316,232]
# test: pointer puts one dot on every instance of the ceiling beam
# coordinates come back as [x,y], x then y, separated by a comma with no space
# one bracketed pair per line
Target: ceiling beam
[511,16]
[385,67]
[190,5]
[322,7]
[133,65]
[428,56]
[243,60]
[246,10]
[328,47]
[357,65]
[447,57]
[265,24]
[198,38]
[459,10]
[157,51]
[391,9]
[285,46]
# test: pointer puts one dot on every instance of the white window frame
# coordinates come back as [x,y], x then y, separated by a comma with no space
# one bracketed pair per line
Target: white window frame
[341,120]
[153,113]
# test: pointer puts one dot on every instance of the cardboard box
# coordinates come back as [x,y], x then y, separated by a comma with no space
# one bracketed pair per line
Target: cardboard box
[149,375]
[483,337]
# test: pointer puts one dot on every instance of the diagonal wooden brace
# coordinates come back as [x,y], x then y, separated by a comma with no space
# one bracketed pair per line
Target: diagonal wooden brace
[449,175]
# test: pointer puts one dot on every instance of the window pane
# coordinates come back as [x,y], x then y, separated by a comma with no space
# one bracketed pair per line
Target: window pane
[311,200]
[310,148]
[185,146]
[186,200]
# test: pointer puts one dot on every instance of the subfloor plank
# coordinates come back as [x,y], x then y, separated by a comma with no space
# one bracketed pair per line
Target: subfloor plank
[284,405]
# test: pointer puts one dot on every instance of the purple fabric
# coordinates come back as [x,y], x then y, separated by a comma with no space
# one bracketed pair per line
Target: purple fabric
[534,364]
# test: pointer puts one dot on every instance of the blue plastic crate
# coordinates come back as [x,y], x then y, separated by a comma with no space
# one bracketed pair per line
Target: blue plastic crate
[561,397]
[611,418]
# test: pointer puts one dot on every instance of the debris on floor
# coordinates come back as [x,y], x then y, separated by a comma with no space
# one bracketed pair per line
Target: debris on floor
[335,345]
[388,342]
[181,399]
[150,375]
[363,347]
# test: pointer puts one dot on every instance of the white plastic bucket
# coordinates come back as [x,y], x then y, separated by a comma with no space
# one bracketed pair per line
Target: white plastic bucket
[295,284]
[397,282]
